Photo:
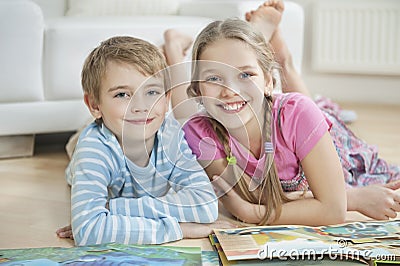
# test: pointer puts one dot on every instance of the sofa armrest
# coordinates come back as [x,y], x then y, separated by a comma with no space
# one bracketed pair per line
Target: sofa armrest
[21,30]
[292,24]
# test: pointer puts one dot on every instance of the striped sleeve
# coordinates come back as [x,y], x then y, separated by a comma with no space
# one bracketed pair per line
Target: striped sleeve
[90,173]
[191,197]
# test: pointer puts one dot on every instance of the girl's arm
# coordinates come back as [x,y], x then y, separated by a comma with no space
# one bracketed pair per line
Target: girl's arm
[324,175]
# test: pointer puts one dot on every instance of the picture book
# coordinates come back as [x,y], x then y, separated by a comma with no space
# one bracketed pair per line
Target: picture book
[278,261]
[358,241]
[107,254]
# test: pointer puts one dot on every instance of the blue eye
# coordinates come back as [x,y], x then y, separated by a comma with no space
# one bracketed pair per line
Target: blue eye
[153,93]
[122,95]
[245,75]
[213,79]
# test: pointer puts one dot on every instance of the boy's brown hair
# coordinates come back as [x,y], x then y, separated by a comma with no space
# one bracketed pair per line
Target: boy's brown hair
[145,56]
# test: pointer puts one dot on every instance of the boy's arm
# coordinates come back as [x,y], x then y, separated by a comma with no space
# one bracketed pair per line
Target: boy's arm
[93,223]
[191,197]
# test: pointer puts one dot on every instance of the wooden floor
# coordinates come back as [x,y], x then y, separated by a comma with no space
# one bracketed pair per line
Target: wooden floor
[35,199]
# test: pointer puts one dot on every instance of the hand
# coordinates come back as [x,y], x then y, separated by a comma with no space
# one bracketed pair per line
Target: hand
[379,202]
[65,232]
[197,230]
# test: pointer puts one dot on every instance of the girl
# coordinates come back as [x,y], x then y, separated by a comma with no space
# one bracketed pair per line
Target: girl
[255,146]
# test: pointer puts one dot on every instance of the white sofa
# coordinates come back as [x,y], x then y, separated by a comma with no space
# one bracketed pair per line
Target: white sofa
[43,49]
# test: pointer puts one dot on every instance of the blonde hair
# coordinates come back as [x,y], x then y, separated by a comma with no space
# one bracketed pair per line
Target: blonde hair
[144,56]
[272,194]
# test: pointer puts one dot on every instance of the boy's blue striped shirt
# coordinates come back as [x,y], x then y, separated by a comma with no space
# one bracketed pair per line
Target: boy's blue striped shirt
[146,204]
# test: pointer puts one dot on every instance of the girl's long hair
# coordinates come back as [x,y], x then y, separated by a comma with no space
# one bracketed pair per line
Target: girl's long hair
[271,192]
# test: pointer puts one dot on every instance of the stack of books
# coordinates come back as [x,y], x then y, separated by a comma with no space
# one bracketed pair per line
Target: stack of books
[370,243]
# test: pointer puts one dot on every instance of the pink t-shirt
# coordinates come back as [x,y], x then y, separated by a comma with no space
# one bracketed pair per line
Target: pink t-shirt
[302,126]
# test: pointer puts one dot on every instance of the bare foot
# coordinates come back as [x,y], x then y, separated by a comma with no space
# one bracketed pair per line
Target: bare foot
[175,49]
[266,17]
[176,46]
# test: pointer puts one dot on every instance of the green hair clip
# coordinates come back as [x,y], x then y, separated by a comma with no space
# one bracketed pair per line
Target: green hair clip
[231,160]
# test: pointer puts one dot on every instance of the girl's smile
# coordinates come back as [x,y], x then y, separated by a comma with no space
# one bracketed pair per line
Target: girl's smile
[232,83]
[233,107]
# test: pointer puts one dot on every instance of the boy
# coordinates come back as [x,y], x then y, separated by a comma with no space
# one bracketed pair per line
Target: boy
[133,177]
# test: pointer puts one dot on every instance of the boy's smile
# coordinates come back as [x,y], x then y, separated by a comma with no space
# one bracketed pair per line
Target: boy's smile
[144,121]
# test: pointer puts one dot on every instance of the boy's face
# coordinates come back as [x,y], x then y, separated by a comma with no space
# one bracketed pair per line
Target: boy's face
[132,105]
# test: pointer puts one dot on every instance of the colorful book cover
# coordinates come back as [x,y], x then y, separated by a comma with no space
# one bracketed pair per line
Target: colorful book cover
[279,262]
[107,254]
[363,241]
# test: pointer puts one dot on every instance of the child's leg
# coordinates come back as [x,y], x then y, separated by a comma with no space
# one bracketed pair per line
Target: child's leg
[361,162]
[291,79]
[175,49]
[176,46]
[267,18]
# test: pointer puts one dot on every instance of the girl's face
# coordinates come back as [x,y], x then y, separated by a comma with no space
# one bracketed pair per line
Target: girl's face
[232,83]
[131,105]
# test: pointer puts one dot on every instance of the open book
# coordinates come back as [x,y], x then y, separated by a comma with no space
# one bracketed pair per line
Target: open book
[104,254]
[365,242]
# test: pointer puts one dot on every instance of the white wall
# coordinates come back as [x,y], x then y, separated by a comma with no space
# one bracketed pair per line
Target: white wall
[345,87]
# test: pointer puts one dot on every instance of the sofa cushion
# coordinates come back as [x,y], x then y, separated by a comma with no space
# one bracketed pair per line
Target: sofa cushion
[122,7]
[52,8]
[69,40]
